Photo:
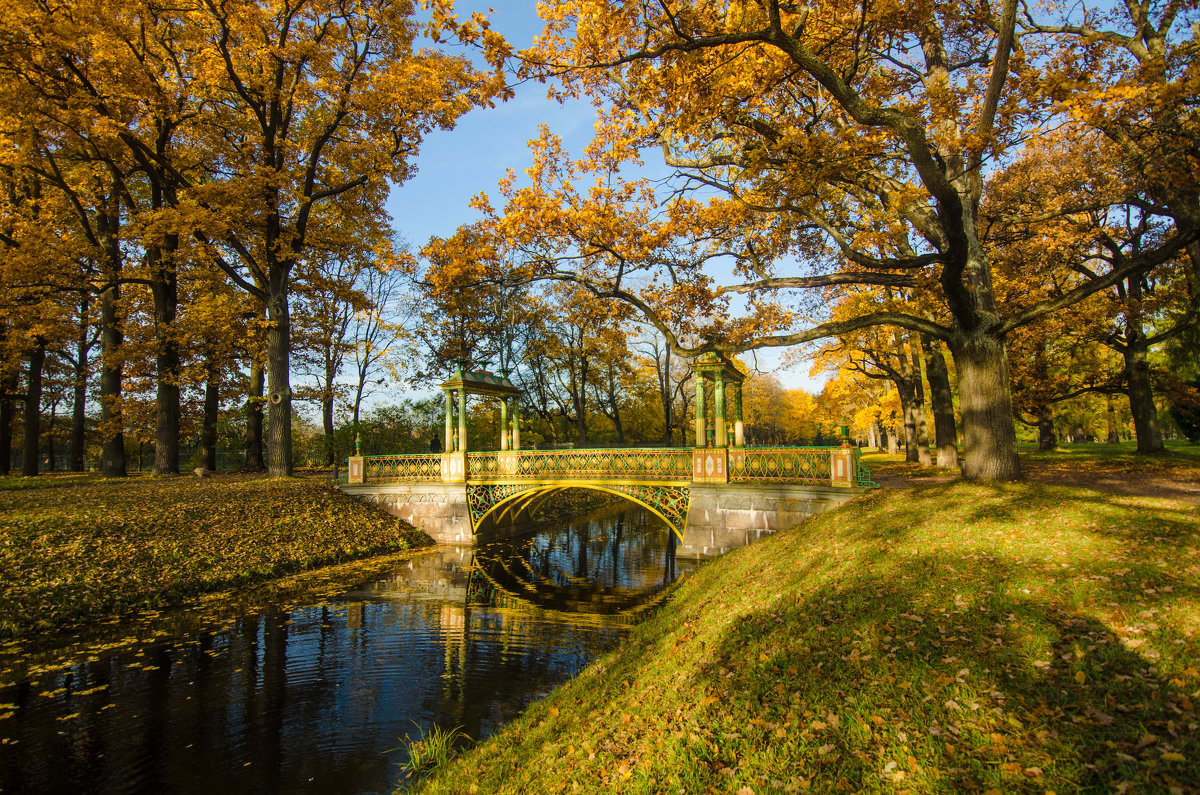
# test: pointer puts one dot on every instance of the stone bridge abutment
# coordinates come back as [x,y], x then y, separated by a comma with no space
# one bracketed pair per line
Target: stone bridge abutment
[718,517]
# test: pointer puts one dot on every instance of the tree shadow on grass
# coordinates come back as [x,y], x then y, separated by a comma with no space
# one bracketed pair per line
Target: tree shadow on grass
[1022,501]
[928,640]
[886,683]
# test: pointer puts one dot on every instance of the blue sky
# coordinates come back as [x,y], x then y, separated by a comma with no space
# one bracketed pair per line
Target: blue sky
[455,166]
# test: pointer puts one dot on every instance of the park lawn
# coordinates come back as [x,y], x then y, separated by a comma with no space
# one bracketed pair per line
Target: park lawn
[946,638]
[1178,456]
[1180,459]
[77,548]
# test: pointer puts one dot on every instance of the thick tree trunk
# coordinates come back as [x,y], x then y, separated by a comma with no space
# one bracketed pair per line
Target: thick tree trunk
[208,430]
[1141,396]
[941,399]
[165,289]
[79,412]
[166,432]
[614,405]
[923,455]
[33,410]
[254,418]
[79,395]
[50,451]
[579,404]
[8,387]
[986,399]
[908,387]
[616,418]
[112,420]
[905,390]
[581,429]
[922,431]
[1046,438]
[893,441]
[327,427]
[279,387]
[1137,372]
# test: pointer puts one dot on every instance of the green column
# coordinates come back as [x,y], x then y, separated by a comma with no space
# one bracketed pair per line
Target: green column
[516,424]
[722,435]
[701,412]
[449,446]
[462,420]
[504,424]
[739,437]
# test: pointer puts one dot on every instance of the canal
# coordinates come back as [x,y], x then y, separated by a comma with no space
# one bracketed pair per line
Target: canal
[320,697]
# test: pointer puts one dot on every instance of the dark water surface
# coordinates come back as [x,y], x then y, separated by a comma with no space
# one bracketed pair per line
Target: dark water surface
[317,698]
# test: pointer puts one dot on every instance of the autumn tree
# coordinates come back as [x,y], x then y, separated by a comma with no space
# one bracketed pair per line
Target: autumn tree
[1066,213]
[335,112]
[108,87]
[854,138]
[42,283]
[1134,75]
[471,308]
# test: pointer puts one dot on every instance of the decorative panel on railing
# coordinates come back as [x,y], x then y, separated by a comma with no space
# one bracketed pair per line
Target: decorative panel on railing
[614,464]
[404,468]
[780,464]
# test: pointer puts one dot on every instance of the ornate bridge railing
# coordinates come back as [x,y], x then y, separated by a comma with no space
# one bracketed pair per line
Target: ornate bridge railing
[602,464]
[779,465]
[810,465]
[411,468]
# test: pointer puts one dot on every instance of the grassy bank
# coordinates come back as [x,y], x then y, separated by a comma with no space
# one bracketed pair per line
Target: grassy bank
[953,637]
[75,548]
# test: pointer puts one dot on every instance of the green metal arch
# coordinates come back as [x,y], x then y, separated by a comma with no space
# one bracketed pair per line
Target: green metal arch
[628,491]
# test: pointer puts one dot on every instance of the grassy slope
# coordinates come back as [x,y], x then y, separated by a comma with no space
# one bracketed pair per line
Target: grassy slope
[74,548]
[1015,638]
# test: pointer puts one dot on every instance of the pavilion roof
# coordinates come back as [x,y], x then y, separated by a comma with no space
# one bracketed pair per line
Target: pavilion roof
[709,364]
[480,382]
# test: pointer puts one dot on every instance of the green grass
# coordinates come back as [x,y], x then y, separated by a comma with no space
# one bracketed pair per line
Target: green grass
[1177,453]
[76,548]
[1180,459]
[47,481]
[954,637]
[432,750]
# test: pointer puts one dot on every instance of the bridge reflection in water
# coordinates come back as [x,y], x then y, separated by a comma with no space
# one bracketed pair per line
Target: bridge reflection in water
[316,697]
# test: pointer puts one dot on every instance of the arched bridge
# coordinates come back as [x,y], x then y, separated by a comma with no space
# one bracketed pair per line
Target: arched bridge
[718,491]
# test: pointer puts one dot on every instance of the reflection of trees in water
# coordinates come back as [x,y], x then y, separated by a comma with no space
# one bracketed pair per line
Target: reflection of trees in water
[618,561]
[307,693]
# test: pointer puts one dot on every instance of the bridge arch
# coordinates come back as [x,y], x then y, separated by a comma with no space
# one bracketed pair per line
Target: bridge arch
[499,501]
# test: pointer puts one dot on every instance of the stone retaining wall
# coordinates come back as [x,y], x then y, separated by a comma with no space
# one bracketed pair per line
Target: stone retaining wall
[437,509]
[724,517]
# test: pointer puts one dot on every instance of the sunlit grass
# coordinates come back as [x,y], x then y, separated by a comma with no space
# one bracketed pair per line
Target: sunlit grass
[77,548]
[1180,459]
[954,637]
